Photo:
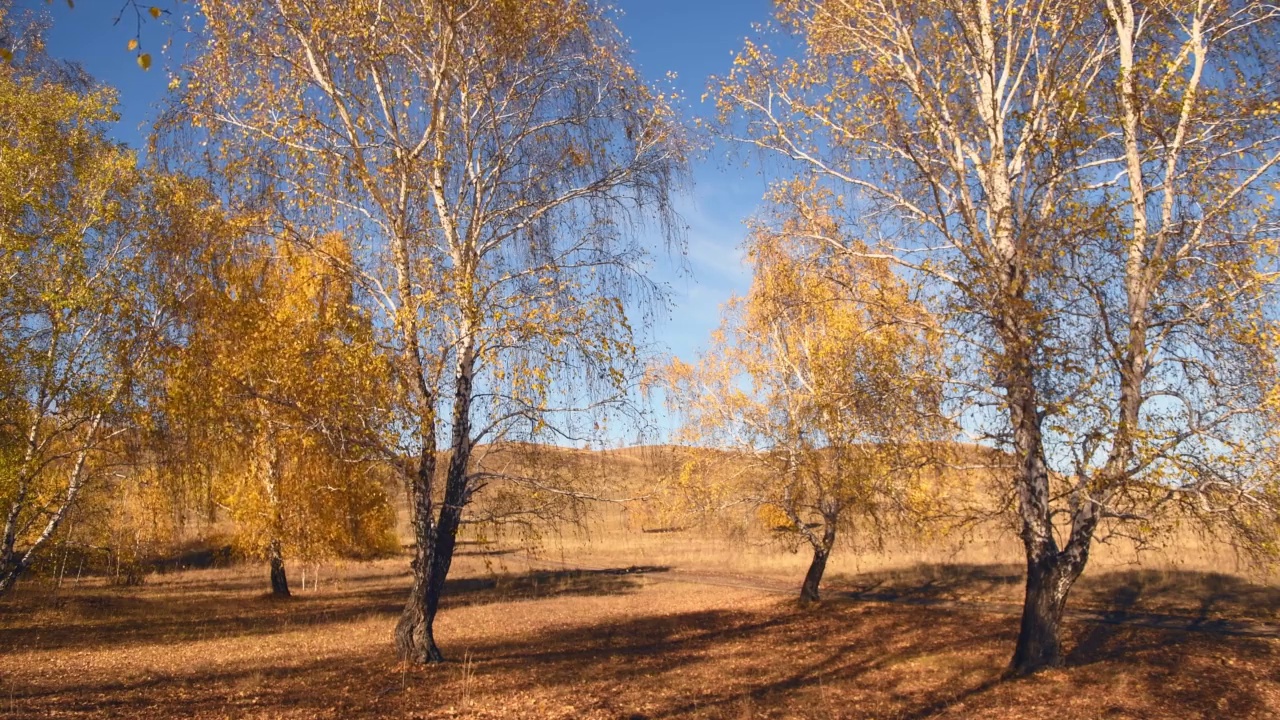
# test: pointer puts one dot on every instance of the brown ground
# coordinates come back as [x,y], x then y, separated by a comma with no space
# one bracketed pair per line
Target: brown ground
[654,642]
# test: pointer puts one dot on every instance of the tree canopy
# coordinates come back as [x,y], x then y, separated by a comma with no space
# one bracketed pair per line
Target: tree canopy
[1091,207]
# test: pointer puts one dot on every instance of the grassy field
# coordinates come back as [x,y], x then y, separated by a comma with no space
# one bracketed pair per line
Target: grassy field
[624,617]
[663,625]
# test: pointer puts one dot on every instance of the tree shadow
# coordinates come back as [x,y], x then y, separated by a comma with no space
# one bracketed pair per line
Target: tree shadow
[1204,596]
[629,656]
[1200,602]
[538,584]
[1194,673]
[1166,598]
[841,645]
[844,658]
[1092,645]
[924,583]
[219,608]
[944,704]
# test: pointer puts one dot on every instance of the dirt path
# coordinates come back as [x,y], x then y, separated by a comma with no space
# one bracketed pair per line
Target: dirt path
[1159,621]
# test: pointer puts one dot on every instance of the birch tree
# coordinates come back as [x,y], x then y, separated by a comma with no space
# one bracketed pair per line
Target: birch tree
[278,398]
[824,382]
[82,308]
[1085,190]
[493,165]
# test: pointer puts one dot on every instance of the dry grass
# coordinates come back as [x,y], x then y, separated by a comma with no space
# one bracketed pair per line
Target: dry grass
[1186,574]
[679,623]
[654,642]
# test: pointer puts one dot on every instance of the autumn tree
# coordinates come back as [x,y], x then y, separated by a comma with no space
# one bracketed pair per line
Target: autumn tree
[1084,189]
[493,165]
[83,304]
[277,392]
[823,383]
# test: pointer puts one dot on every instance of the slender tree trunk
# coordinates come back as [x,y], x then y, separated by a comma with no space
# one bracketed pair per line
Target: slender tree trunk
[441,559]
[279,582]
[12,563]
[818,566]
[8,556]
[809,590]
[66,555]
[413,637]
[9,563]
[271,483]
[9,572]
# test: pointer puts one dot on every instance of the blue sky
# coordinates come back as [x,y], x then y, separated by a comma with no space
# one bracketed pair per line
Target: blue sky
[692,38]
[696,39]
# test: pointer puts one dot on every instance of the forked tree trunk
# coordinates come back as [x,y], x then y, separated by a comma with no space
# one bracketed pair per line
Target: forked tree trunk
[414,639]
[279,582]
[415,636]
[1050,572]
[437,536]
[441,560]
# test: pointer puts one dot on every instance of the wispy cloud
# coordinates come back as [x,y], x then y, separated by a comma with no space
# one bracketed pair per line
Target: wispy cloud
[713,267]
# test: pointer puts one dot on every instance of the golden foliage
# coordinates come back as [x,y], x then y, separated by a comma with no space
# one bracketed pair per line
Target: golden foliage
[824,374]
[81,309]
[281,396]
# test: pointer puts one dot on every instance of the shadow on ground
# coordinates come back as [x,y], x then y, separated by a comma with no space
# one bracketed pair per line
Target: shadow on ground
[114,617]
[1200,596]
[842,659]
[944,581]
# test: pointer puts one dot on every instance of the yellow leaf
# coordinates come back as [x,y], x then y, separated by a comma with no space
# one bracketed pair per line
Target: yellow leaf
[7,55]
[144,61]
[155,12]
[133,44]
